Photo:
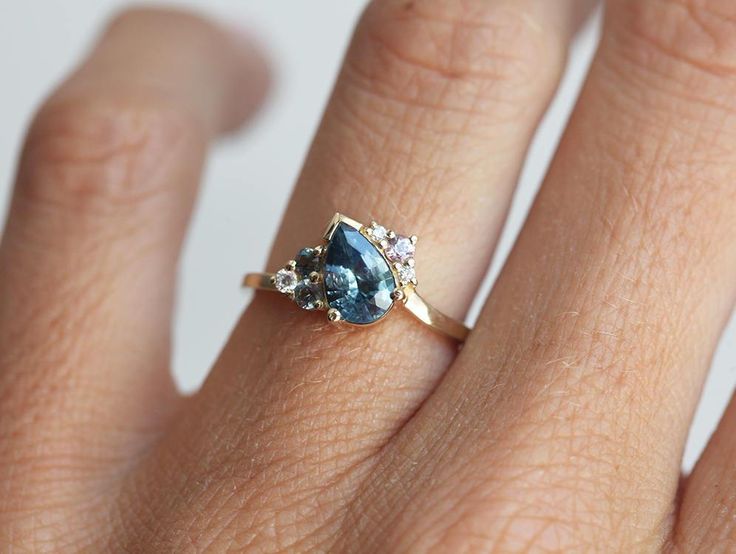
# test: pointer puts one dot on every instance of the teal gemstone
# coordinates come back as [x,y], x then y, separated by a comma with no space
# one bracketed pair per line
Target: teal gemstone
[358,280]
[307,261]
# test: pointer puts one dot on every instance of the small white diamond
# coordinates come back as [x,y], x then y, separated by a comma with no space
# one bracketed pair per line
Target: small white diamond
[379,233]
[406,274]
[285,281]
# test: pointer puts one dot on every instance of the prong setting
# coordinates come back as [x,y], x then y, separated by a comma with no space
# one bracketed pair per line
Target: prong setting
[285,280]
[302,278]
[398,249]
[363,277]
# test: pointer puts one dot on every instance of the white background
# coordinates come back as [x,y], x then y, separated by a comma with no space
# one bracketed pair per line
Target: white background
[249,177]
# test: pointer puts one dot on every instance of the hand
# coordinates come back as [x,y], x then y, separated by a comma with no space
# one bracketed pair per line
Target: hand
[559,425]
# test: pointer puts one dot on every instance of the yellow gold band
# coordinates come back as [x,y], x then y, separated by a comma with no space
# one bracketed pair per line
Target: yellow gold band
[413,302]
[357,275]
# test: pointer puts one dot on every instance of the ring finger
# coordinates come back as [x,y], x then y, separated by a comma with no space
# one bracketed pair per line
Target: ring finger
[425,132]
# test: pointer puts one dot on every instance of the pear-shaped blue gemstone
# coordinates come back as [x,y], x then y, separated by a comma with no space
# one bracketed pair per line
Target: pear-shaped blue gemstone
[358,280]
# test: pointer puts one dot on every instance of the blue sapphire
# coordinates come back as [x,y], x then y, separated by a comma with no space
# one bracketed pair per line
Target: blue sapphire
[358,280]
[307,261]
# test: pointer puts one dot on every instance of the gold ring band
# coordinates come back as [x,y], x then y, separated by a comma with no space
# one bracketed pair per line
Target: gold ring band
[357,276]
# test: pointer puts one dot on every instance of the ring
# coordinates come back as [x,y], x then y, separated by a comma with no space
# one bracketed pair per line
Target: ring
[357,275]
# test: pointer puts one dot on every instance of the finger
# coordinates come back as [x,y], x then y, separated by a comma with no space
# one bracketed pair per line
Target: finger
[87,262]
[705,516]
[425,132]
[561,425]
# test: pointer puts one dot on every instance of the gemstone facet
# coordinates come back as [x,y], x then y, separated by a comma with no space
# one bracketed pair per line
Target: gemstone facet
[379,233]
[406,273]
[285,280]
[400,249]
[308,295]
[307,261]
[358,280]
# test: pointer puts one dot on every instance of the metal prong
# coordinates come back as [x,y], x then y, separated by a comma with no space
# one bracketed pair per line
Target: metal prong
[391,235]
[334,315]
[273,279]
[397,294]
[410,262]
[384,244]
[414,282]
[315,277]
[413,239]
[319,249]
[319,304]
[291,265]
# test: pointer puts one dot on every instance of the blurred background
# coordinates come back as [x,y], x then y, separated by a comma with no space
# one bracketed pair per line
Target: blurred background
[249,176]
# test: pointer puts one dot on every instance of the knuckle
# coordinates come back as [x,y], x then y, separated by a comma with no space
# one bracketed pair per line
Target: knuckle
[452,56]
[699,34]
[135,16]
[103,153]
[541,503]
[67,519]
[526,531]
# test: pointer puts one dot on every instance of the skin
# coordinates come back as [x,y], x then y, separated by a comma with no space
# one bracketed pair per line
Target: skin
[560,424]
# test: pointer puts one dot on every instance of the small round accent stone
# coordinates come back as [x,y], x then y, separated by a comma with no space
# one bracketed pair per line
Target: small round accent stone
[307,261]
[406,274]
[379,233]
[308,295]
[285,280]
[400,249]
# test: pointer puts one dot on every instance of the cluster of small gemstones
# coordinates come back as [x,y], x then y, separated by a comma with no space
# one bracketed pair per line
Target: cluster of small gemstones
[300,279]
[356,277]
[397,248]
